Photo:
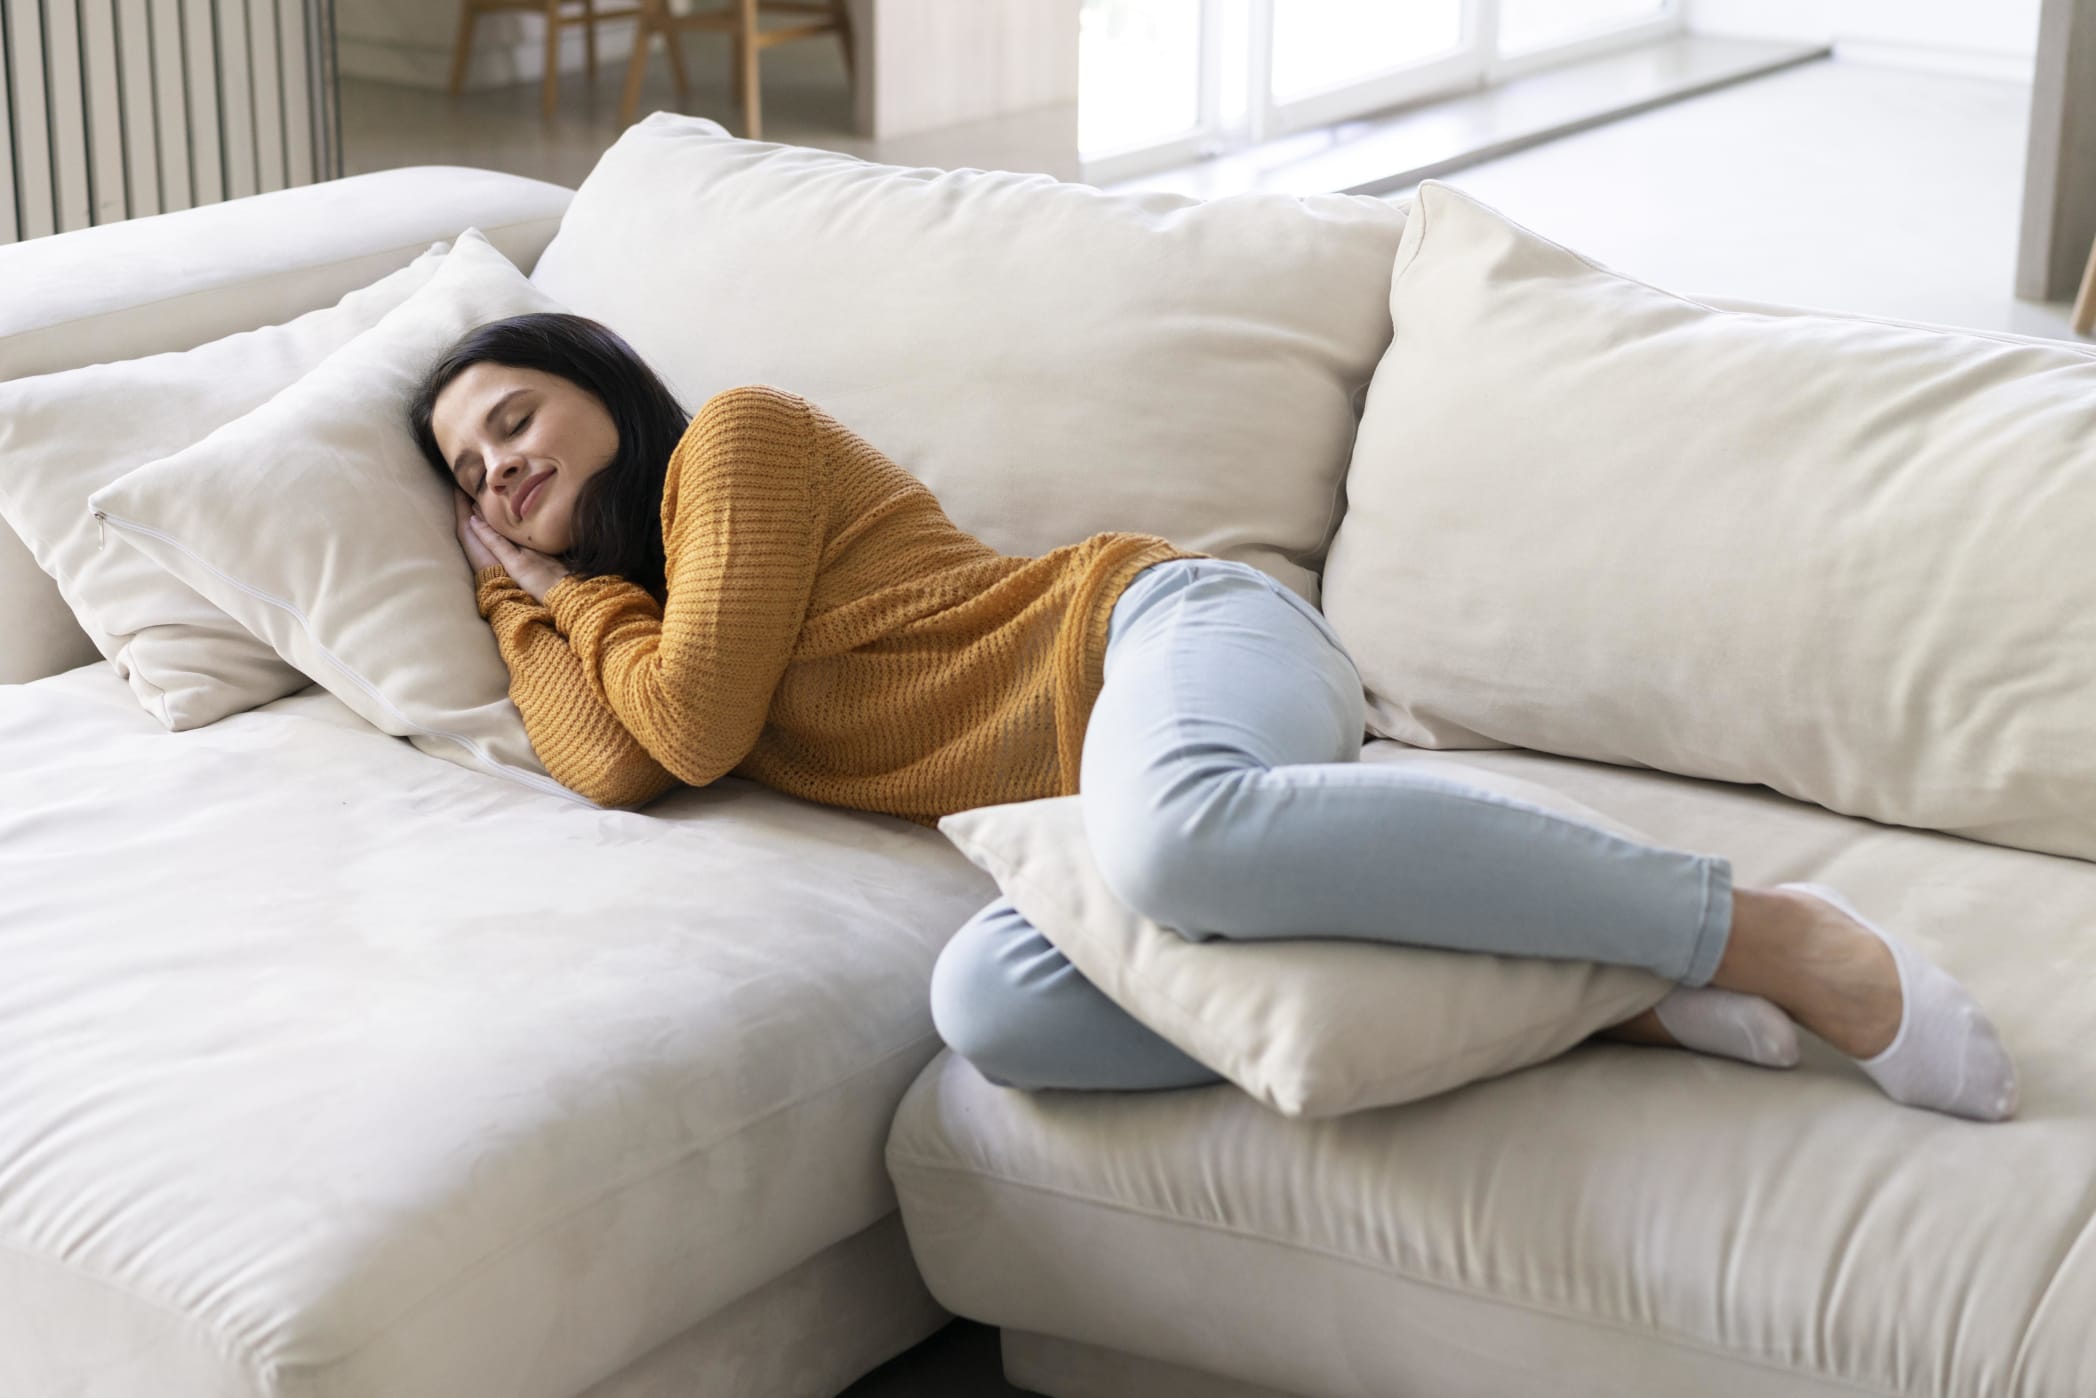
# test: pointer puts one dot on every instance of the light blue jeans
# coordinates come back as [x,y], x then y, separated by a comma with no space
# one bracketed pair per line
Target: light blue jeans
[1224,796]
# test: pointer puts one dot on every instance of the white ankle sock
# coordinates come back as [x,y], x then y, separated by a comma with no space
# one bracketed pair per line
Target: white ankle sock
[1947,1055]
[1709,1019]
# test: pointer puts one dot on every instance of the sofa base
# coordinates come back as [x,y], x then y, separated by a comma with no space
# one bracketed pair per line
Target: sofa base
[810,1333]
[1059,1368]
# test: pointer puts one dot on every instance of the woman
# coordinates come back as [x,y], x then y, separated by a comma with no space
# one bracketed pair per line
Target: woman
[758,590]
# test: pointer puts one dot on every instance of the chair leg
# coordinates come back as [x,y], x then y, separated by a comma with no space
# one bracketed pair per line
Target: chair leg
[2085,303]
[637,61]
[842,10]
[675,44]
[551,87]
[746,62]
[463,49]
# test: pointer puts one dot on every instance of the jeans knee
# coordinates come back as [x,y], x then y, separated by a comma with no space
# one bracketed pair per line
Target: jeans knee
[974,1007]
[1164,868]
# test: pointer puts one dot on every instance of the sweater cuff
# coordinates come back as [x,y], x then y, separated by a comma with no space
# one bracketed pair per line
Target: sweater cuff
[573,596]
[493,587]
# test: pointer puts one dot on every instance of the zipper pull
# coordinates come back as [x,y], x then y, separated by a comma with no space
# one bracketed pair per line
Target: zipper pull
[99,536]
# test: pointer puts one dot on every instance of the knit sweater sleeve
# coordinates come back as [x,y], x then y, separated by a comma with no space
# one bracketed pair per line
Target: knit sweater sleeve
[583,744]
[693,679]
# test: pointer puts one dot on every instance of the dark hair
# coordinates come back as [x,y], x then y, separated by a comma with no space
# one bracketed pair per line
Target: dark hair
[617,526]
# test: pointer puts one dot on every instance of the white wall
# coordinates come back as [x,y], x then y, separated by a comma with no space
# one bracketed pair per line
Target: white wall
[1989,38]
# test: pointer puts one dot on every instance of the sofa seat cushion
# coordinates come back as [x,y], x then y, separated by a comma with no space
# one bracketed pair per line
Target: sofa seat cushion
[328,1068]
[1620,1219]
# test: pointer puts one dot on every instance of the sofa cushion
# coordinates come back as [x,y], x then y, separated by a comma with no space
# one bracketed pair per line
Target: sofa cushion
[64,436]
[1309,1026]
[43,637]
[1845,558]
[1051,360]
[331,1071]
[1619,1220]
[343,553]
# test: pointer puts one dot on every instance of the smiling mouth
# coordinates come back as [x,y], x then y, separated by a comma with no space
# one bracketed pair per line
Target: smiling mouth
[531,494]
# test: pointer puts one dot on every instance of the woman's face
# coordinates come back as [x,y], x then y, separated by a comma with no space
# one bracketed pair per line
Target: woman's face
[521,442]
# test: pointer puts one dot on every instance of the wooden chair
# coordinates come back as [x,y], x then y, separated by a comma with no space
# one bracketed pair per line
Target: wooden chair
[471,10]
[740,20]
[2085,302]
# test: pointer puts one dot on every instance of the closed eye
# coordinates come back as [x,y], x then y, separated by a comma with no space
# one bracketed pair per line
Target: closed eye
[521,423]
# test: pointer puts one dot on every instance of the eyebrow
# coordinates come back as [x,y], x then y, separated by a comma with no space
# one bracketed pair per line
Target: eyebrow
[460,464]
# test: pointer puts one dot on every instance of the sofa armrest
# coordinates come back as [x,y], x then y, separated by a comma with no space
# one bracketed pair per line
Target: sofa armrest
[174,281]
[177,280]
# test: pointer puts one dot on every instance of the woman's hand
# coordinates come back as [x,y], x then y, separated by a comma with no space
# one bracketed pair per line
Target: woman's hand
[477,553]
[535,572]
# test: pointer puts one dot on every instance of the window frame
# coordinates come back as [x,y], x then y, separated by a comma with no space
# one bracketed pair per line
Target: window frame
[1474,65]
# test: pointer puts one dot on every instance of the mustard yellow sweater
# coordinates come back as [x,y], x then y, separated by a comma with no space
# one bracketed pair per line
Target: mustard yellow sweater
[828,632]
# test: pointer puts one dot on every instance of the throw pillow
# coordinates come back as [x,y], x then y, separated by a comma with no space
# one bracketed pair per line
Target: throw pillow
[1840,557]
[316,523]
[63,436]
[1310,1027]
[1052,361]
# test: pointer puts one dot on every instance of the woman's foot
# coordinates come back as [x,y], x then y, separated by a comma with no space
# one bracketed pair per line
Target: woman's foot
[1725,1023]
[1908,1023]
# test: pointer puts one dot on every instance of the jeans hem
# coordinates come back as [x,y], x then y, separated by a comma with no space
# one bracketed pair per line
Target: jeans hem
[1715,927]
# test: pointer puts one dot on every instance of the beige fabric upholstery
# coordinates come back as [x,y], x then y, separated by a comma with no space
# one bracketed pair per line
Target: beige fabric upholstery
[363,585]
[1619,1220]
[1053,361]
[64,436]
[1842,557]
[1308,1027]
[174,281]
[331,1071]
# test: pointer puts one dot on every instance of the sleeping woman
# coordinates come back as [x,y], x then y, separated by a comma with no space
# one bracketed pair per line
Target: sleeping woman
[757,590]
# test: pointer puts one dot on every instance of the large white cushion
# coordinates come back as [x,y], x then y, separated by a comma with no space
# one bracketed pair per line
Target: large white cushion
[1309,1026]
[1621,1220]
[1051,360]
[1844,558]
[329,1071]
[43,637]
[64,436]
[173,281]
[316,522]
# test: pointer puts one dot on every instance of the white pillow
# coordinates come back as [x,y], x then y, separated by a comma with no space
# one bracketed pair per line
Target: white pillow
[1052,361]
[1846,559]
[317,524]
[65,435]
[1310,1027]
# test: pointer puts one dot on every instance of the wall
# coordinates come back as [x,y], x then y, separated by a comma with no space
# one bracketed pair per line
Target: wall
[1986,38]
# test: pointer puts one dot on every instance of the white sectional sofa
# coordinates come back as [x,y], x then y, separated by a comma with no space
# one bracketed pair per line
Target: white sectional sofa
[329,1070]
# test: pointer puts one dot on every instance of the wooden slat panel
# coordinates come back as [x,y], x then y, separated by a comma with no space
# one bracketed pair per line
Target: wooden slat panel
[10,228]
[36,195]
[68,114]
[206,149]
[107,199]
[134,52]
[298,91]
[269,109]
[170,84]
[329,103]
[236,99]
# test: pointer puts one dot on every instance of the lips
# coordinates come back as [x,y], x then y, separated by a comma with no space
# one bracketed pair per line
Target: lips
[531,492]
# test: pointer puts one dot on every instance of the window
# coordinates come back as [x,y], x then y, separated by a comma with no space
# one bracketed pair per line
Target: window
[1164,82]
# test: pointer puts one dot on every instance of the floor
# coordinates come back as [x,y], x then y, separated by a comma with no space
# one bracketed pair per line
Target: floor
[1835,184]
